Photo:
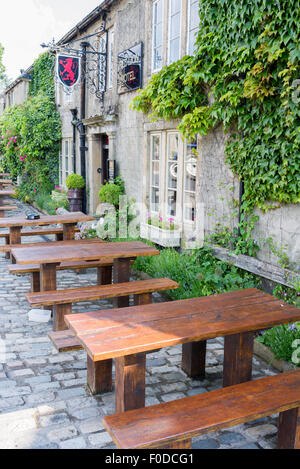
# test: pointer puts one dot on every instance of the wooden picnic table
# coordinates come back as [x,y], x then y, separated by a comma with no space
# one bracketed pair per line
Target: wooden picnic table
[126,334]
[50,256]
[69,222]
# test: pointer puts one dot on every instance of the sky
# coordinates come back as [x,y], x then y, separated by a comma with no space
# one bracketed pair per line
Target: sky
[25,24]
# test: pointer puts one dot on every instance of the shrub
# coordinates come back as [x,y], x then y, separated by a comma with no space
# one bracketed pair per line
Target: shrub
[111,193]
[280,340]
[198,273]
[75,181]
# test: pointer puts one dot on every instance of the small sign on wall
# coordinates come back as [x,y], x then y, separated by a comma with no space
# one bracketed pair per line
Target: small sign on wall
[130,70]
[68,70]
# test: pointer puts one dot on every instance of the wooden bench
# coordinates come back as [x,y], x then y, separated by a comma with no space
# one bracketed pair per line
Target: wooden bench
[58,232]
[62,300]
[7,208]
[172,425]
[104,270]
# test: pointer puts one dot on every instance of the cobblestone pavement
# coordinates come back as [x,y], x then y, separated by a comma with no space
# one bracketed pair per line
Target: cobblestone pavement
[43,399]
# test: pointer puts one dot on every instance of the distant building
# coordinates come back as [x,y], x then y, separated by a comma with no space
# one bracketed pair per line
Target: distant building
[16,92]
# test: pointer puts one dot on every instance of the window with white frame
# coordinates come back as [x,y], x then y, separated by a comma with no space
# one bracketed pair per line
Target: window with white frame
[155,156]
[110,58]
[157,35]
[172,191]
[67,157]
[174,30]
[60,167]
[193,26]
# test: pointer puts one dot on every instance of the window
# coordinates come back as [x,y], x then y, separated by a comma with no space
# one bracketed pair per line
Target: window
[157,34]
[110,58]
[174,30]
[155,172]
[193,25]
[172,191]
[172,173]
[66,155]
[190,168]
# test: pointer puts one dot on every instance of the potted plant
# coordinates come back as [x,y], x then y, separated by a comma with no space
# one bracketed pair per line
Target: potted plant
[163,232]
[75,185]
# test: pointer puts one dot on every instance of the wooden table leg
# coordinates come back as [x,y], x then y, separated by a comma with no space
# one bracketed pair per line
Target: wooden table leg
[104,275]
[143,299]
[183,444]
[59,316]
[69,231]
[130,382]
[48,280]
[121,275]
[35,282]
[99,376]
[193,359]
[238,354]
[15,238]
[289,429]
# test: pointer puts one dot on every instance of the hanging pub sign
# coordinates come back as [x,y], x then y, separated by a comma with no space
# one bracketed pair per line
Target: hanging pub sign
[130,70]
[68,70]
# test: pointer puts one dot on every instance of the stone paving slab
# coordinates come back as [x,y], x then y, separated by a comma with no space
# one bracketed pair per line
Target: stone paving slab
[44,403]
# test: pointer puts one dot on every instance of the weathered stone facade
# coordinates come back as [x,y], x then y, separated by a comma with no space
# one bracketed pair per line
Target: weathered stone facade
[127,136]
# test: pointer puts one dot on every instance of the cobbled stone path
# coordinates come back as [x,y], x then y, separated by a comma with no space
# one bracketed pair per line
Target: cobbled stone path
[44,403]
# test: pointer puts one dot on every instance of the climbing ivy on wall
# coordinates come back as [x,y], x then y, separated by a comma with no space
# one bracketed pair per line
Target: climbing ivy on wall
[244,75]
[30,135]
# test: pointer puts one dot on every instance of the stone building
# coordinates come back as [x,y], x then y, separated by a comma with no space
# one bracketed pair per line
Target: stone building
[168,177]
[17,91]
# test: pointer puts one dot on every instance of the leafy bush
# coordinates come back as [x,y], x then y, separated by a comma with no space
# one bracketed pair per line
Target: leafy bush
[75,181]
[46,202]
[111,193]
[280,340]
[31,135]
[198,273]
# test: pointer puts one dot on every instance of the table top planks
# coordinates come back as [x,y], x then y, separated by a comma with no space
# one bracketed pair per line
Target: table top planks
[115,333]
[82,252]
[71,218]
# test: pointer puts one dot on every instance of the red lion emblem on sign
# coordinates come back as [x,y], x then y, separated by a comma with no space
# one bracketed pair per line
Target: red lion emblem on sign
[68,70]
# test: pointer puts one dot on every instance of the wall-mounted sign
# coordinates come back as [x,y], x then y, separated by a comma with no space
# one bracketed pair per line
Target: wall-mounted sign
[68,70]
[130,69]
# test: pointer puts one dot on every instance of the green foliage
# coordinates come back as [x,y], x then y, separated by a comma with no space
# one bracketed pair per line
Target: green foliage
[31,136]
[75,181]
[240,239]
[111,193]
[45,202]
[3,77]
[198,273]
[42,76]
[243,75]
[280,340]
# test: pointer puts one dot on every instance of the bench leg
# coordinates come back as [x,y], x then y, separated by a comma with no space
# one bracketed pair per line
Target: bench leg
[183,444]
[104,275]
[238,354]
[99,376]
[130,382]
[143,299]
[121,275]
[193,359]
[289,429]
[59,237]
[35,282]
[59,316]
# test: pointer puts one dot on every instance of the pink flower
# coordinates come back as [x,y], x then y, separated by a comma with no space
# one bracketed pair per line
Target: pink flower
[25,156]
[35,190]
[2,137]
